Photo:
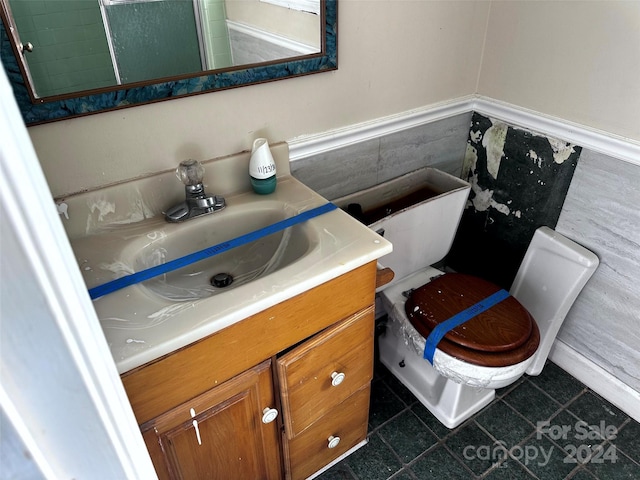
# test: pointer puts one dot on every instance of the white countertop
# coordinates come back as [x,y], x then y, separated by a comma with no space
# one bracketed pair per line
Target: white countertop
[141,326]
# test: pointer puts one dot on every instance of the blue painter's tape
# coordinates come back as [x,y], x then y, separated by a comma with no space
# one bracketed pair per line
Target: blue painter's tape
[141,276]
[443,328]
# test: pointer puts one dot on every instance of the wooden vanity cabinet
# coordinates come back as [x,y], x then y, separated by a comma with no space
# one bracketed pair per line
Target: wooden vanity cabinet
[201,408]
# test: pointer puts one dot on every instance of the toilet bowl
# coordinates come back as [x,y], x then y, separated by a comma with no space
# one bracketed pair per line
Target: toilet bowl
[493,344]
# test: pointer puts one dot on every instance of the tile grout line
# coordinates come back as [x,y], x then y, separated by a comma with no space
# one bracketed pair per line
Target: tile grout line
[584,390]
[628,455]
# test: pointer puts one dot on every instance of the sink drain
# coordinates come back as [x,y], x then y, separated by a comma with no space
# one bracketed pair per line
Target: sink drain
[221,280]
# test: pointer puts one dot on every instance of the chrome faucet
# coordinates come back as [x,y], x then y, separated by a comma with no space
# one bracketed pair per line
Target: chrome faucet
[197,202]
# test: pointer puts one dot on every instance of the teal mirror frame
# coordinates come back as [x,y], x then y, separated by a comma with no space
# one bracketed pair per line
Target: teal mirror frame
[113,98]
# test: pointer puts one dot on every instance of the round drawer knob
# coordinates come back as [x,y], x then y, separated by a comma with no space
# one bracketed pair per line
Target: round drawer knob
[337,378]
[333,441]
[269,415]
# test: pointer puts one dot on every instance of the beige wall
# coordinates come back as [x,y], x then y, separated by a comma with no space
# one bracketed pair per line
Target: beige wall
[393,56]
[579,61]
[574,60]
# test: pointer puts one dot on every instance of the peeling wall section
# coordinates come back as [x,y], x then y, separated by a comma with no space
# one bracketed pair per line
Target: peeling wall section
[519,180]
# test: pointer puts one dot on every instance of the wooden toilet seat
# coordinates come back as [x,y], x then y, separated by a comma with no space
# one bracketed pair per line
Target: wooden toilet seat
[503,335]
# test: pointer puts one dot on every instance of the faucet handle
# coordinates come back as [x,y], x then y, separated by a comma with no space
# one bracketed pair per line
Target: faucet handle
[190,172]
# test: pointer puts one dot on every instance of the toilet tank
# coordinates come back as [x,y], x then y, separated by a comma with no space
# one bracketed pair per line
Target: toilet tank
[418,213]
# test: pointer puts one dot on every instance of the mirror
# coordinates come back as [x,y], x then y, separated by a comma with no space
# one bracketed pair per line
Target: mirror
[233,43]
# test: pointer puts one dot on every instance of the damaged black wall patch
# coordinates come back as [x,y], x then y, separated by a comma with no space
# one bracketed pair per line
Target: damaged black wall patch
[519,180]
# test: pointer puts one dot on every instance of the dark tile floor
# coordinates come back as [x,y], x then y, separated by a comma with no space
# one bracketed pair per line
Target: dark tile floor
[546,427]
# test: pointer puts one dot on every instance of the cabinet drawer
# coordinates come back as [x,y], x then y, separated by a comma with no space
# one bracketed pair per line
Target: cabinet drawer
[309,451]
[325,370]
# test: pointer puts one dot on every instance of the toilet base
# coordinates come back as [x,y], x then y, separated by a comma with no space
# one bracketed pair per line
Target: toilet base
[450,402]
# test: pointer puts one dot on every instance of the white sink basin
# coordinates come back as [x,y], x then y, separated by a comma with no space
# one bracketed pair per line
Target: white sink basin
[238,265]
[120,230]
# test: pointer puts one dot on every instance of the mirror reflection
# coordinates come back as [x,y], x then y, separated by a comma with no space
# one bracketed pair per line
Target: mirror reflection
[76,45]
[78,102]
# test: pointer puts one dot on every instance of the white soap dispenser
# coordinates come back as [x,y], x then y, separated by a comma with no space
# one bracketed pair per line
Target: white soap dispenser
[262,167]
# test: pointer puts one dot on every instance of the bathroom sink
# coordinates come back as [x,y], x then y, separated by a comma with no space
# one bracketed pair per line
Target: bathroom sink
[121,230]
[226,270]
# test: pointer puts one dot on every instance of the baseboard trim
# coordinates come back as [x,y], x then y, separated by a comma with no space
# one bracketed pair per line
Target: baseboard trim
[597,379]
[615,146]
[269,37]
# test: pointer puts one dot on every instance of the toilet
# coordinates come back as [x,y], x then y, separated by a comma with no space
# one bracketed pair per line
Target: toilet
[452,338]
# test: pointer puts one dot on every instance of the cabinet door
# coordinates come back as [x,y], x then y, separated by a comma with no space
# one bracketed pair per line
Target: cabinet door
[219,434]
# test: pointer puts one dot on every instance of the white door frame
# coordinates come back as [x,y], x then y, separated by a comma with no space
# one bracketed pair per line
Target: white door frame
[59,387]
